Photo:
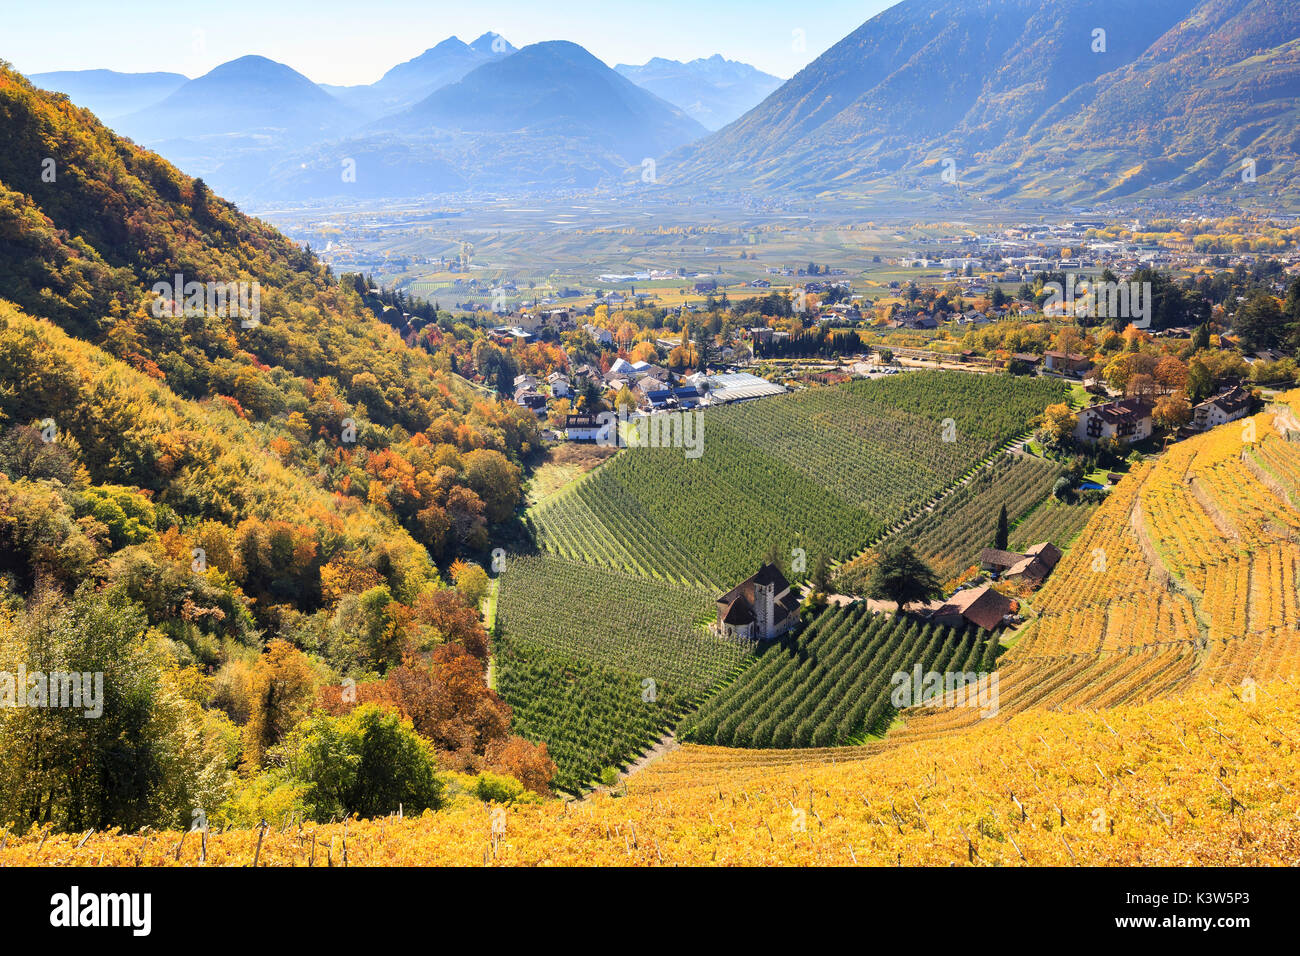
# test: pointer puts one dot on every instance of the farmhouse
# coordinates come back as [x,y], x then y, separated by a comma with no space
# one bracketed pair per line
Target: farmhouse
[982,606]
[759,608]
[1223,408]
[1032,567]
[1127,420]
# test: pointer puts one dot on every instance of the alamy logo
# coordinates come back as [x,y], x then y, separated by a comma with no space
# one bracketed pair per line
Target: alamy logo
[1100,300]
[69,690]
[950,689]
[132,910]
[226,300]
[683,429]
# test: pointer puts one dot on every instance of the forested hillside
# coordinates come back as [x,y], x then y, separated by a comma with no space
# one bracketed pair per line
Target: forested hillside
[226,513]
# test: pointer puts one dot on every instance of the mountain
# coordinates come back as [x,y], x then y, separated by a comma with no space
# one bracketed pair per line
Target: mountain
[250,96]
[109,94]
[1024,98]
[712,90]
[549,116]
[556,88]
[409,82]
[232,124]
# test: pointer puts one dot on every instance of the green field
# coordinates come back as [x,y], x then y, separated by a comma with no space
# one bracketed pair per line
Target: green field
[597,663]
[1053,521]
[831,684]
[824,470]
[633,554]
[950,537]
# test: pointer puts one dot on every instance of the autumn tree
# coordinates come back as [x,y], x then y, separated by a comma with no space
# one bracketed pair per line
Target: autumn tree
[281,690]
[1059,423]
[471,581]
[1172,412]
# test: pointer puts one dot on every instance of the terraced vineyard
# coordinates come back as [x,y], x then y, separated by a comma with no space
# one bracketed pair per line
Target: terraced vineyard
[832,683]
[824,470]
[951,536]
[597,663]
[1196,554]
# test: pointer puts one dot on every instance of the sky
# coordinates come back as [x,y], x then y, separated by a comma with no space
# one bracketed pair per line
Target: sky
[349,42]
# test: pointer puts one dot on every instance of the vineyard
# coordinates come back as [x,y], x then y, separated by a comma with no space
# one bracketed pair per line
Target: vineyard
[1195,555]
[598,663]
[832,683]
[1054,521]
[1206,780]
[949,538]
[824,470]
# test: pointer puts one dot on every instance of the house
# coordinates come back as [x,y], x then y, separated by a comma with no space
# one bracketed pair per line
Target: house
[1226,407]
[1127,420]
[922,322]
[584,426]
[533,401]
[710,285]
[759,608]
[524,381]
[1066,363]
[1032,567]
[982,607]
[599,336]
[1027,358]
[509,334]
[559,383]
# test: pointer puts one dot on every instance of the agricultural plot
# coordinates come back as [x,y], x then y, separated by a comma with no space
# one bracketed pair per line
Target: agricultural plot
[823,470]
[597,663]
[833,683]
[950,537]
[1054,521]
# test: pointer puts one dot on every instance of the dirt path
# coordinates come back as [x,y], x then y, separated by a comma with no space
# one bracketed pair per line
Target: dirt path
[665,745]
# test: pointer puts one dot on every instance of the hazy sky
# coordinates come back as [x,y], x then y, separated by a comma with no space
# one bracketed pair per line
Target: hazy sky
[350,41]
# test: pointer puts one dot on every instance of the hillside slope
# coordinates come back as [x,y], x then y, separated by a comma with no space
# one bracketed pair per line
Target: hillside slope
[1025,99]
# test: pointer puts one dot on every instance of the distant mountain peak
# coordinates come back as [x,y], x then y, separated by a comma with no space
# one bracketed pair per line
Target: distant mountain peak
[494,43]
[712,90]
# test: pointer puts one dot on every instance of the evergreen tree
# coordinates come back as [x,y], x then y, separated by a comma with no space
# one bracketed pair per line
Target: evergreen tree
[1000,538]
[902,577]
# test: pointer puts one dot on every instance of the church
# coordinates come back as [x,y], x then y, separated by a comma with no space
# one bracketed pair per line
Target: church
[759,608]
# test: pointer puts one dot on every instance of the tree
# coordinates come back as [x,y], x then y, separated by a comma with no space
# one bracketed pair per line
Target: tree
[1172,412]
[820,579]
[471,581]
[1259,322]
[496,480]
[368,762]
[1000,536]
[138,751]
[280,694]
[1200,381]
[1058,423]
[902,577]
